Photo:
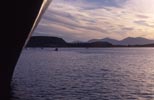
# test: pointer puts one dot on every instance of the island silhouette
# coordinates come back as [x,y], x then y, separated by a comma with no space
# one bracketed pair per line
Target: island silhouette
[49,41]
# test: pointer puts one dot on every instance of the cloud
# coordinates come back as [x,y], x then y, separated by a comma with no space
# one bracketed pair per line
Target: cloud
[142,16]
[143,23]
[92,4]
[127,29]
[87,19]
[108,3]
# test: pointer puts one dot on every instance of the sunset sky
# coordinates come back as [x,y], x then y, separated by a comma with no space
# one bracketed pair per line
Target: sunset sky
[82,20]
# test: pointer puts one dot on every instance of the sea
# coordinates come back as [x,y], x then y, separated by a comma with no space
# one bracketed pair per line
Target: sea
[84,74]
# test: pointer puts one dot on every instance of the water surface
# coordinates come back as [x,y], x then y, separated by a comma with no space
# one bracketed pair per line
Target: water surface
[85,74]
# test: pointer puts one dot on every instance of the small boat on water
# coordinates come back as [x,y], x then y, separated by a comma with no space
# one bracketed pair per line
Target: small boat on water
[56,49]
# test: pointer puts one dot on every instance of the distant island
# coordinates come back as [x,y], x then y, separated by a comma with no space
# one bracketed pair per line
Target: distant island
[48,41]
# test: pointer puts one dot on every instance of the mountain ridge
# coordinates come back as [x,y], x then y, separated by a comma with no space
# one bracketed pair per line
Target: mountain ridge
[50,41]
[125,41]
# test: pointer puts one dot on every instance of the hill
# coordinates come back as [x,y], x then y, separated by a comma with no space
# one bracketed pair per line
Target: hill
[126,41]
[45,41]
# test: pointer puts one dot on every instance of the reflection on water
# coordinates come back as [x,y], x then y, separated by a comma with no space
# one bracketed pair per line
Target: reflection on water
[85,74]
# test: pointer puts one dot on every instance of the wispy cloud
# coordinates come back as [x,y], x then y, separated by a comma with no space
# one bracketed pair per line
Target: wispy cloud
[142,16]
[87,19]
[143,23]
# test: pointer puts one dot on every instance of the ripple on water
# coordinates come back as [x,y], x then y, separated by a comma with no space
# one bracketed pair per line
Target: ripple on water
[79,74]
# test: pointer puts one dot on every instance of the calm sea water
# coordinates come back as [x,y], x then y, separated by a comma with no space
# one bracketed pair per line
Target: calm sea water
[85,74]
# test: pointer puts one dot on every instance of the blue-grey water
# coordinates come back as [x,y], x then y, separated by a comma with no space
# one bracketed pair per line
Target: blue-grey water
[85,74]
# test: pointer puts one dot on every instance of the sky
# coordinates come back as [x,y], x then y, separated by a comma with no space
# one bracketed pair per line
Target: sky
[82,20]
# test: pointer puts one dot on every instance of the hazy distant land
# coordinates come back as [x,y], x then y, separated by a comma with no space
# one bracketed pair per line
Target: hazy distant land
[46,41]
